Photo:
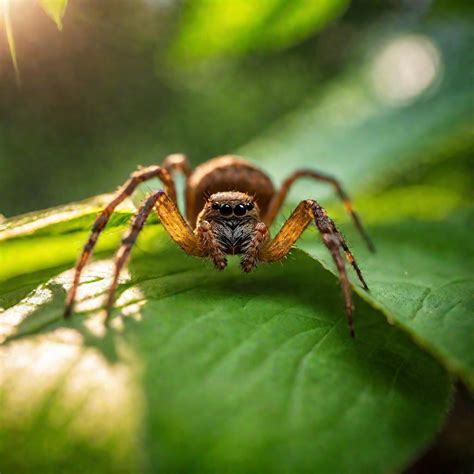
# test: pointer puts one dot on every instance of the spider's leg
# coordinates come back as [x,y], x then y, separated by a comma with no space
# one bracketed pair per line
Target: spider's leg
[349,255]
[292,229]
[279,198]
[127,243]
[172,220]
[177,162]
[332,241]
[123,192]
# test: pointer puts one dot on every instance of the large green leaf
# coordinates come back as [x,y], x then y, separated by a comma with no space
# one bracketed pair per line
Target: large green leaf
[53,234]
[203,371]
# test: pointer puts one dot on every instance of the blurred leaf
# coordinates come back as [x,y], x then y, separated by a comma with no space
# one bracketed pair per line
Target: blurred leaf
[213,28]
[54,9]
[422,202]
[352,131]
[207,371]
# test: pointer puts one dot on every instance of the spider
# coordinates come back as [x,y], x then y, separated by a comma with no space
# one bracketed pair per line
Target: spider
[230,205]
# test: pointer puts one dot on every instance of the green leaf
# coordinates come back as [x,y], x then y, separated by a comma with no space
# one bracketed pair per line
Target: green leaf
[55,10]
[212,28]
[203,370]
[56,234]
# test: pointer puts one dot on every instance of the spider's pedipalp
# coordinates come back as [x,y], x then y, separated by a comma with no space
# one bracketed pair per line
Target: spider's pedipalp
[251,256]
[210,245]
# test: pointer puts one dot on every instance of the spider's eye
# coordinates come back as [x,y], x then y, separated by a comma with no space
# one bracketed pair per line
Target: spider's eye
[249,206]
[240,210]
[226,210]
[215,206]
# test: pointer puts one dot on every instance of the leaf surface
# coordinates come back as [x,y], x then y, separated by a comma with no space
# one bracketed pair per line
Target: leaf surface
[421,278]
[204,371]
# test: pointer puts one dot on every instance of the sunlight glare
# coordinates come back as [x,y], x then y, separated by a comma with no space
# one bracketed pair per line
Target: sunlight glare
[405,68]
[95,392]
[14,316]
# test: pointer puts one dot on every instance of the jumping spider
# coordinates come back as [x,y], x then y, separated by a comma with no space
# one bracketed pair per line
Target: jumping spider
[230,204]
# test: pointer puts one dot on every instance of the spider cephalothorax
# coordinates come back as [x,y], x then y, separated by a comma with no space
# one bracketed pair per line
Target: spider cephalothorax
[230,204]
[230,224]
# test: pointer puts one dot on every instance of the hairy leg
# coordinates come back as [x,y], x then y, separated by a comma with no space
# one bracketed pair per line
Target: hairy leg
[178,229]
[128,240]
[281,245]
[177,162]
[126,190]
[279,198]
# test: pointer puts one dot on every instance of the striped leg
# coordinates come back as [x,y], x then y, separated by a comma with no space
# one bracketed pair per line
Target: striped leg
[171,219]
[279,198]
[123,192]
[291,231]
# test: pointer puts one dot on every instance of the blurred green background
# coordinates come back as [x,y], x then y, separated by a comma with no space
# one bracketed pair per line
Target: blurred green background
[378,93]
[126,82]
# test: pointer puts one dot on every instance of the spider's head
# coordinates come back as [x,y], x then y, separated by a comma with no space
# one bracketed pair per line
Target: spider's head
[230,205]
[233,217]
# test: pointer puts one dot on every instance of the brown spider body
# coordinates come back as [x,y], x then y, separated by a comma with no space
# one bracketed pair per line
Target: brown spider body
[230,205]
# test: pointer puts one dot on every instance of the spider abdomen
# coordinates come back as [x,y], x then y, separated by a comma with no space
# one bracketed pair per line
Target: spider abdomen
[226,173]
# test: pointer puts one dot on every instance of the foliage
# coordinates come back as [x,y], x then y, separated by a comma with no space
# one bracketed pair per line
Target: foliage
[206,370]
[211,28]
